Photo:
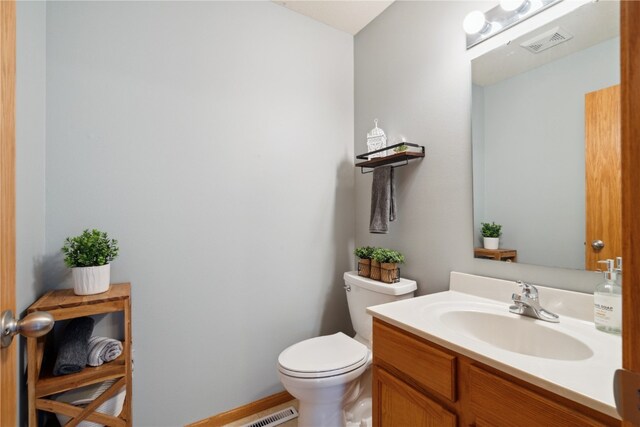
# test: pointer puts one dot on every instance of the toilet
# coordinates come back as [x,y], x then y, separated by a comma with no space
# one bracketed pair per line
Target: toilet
[330,375]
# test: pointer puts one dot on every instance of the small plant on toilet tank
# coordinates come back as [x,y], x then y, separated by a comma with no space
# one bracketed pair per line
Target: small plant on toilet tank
[491,235]
[389,260]
[89,256]
[364,264]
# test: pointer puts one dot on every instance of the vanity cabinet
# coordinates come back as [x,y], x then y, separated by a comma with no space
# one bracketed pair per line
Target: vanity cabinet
[419,383]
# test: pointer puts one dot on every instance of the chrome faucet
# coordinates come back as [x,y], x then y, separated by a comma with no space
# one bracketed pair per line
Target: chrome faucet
[528,304]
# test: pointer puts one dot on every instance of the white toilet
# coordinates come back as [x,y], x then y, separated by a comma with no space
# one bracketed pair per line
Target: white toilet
[325,373]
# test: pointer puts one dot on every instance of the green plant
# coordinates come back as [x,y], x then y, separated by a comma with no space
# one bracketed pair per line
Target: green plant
[383,255]
[364,252]
[90,249]
[401,148]
[491,230]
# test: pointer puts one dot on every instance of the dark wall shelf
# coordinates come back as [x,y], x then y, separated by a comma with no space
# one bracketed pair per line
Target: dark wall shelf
[396,159]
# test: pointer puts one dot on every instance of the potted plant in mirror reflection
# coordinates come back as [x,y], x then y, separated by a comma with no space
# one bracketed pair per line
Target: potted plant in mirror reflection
[364,264]
[389,260]
[88,255]
[491,234]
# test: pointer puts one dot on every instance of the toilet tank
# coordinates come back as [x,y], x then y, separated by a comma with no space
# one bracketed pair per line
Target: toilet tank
[363,292]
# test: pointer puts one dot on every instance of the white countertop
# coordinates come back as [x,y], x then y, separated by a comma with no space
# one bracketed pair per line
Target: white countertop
[588,381]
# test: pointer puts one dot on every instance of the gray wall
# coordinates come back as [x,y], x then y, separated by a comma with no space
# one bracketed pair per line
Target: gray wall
[478,155]
[30,149]
[533,146]
[214,141]
[30,161]
[413,73]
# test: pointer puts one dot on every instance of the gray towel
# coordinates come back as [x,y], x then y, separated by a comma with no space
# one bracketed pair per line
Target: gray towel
[103,349]
[383,200]
[74,346]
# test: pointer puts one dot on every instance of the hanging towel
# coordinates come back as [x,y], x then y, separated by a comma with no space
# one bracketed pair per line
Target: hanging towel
[103,349]
[74,346]
[383,200]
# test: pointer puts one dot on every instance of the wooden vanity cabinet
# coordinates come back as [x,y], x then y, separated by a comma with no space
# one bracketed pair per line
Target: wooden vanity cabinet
[419,383]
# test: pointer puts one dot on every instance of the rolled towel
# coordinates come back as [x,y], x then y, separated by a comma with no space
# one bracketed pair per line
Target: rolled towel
[74,346]
[103,349]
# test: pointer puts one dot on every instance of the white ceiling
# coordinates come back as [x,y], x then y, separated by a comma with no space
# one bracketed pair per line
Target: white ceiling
[349,16]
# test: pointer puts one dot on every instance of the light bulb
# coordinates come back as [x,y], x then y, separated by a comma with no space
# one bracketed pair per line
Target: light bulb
[475,22]
[514,5]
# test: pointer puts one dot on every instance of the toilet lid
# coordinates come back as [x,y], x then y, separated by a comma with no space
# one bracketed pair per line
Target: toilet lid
[323,356]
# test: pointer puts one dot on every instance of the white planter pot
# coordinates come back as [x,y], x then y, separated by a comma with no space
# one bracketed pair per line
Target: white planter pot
[491,242]
[91,280]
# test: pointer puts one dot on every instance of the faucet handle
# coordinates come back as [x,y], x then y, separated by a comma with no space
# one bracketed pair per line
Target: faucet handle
[528,290]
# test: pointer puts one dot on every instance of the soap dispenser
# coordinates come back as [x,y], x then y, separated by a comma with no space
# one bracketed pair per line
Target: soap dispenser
[619,270]
[607,301]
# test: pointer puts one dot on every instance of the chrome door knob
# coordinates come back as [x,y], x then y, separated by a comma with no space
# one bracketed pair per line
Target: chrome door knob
[597,244]
[33,325]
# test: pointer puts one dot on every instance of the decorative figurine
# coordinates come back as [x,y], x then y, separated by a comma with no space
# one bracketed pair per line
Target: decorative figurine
[376,139]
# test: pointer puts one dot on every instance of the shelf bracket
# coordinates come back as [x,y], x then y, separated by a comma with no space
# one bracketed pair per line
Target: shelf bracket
[370,170]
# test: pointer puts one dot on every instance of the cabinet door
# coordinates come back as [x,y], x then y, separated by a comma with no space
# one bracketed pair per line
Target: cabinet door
[498,402]
[396,404]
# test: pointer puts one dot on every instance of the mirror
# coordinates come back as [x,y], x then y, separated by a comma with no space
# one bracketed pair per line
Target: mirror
[544,152]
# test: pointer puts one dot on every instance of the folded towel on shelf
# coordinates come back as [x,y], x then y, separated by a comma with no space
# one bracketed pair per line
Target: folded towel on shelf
[383,200]
[103,349]
[74,346]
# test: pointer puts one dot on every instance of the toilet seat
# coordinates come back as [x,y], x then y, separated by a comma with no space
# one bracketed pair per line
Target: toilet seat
[322,357]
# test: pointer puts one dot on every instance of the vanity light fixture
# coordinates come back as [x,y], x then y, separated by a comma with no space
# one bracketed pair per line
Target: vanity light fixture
[482,26]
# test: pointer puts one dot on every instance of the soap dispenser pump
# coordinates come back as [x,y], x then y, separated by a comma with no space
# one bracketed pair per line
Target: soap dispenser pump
[607,301]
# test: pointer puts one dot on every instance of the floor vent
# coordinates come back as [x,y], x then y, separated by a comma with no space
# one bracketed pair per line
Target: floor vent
[275,419]
[547,40]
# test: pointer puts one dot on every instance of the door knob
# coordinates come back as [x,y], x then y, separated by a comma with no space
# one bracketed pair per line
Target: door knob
[33,325]
[597,244]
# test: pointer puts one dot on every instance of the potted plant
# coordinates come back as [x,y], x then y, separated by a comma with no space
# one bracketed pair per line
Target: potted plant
[88,255]
[401,148]
[364,264]
[389,260]
[491,234]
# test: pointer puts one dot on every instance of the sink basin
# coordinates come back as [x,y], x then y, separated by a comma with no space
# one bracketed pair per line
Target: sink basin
[519,334]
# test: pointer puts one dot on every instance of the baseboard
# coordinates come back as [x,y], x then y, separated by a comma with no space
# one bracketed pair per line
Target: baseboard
[244,410]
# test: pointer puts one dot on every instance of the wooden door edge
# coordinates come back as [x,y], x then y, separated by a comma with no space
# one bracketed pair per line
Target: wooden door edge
[630,96]
[8,358]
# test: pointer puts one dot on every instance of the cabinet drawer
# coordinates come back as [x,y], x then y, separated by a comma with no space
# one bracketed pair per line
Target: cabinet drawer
[426,365]
[490,392]
[399,405]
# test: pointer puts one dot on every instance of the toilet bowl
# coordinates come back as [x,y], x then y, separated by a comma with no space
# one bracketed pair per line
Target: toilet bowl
[322,373]
[325,373]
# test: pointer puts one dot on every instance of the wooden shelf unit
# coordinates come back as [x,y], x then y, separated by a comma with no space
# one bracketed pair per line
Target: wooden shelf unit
[64,304]
[392,159]
[508,255]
